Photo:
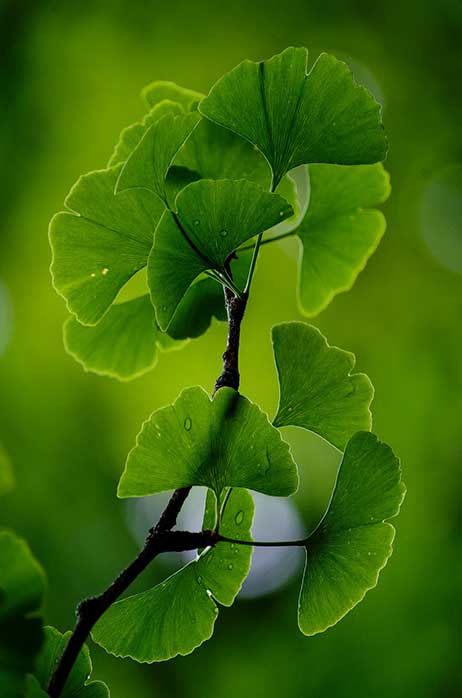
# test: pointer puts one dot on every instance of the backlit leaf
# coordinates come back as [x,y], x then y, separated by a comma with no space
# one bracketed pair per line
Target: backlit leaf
[147,166]
[101,242]
[213,218]
[339,231]
[131,136]
[318,390]
[224,442]
[160,90]
[352,543]
[297,118]
[179,614]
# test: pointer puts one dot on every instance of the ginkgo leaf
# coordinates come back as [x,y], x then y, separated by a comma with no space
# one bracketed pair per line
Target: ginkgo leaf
[318,390]
[352,543]
[339,231]
[296,118]
[160,90]
[179,614]
[224,442]
[6,473]
[78,684]
[213,218]
[131,136]
[217,153]
[123,344]
[147,166]
[101,242]
[22,586]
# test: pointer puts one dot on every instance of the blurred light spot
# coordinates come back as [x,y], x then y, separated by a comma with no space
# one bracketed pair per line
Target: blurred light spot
[276,518]
[441,217]
[6,318]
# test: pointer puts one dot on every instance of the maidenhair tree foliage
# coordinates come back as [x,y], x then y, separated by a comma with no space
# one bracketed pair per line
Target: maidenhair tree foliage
[189,195]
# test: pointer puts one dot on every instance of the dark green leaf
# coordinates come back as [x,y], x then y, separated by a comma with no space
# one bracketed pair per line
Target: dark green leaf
[218,443]
[318,390]
[295,118]
[213,219]
[352,543]
[22,585]
[147,166]
[339,232]
[178,615]
[102,243]
[77,685]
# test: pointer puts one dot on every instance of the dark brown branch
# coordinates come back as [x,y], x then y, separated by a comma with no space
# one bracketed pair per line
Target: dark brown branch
[235,309]
[160,539]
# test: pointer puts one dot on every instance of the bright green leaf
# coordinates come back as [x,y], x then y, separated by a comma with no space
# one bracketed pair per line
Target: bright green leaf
[352,543]
[339,232]
[131,136]
[318,390]
[224,442]
[296,118]
[77,685]
[179,614]
[123,344]
[147,166]
[213,219]
[101,243]
[160,90]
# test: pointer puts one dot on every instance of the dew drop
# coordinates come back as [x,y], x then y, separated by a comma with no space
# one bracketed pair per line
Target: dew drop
[197,221]
[164,308]
[104,271]
[224,233]
[239,518]
[93,275]
[230,566]
[199,580]
[281,213]
[187,423]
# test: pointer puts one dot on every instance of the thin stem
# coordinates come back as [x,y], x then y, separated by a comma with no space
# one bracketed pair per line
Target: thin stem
[266,544]
[253,263]
[276,238]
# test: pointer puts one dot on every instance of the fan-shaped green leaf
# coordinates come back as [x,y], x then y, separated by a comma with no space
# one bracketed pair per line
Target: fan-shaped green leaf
[178,615]
[147,166]
[223,442]
[101,243]
[131,136]
[22,585]
[160,90]
[77,685]
[6,474]
[123,344]
[296,118]
[352,543]
[213,219]
[318,390]
[339,232]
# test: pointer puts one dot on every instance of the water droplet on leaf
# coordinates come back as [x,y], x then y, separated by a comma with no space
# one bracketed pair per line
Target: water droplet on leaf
[239,518]
[187,423]
[224,233]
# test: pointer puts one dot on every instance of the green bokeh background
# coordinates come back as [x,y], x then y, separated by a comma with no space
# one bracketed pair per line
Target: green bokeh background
[70,75]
